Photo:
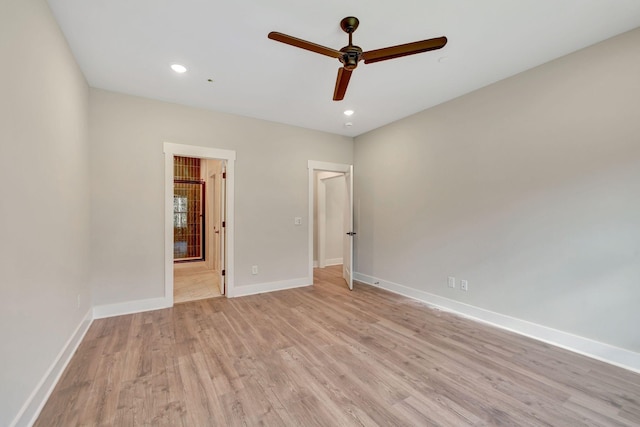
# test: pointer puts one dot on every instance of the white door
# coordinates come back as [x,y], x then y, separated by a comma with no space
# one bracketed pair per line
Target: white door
[223,229]
[212,223]
[347,252]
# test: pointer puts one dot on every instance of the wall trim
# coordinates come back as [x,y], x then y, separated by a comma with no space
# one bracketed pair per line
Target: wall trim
[38,398]
[131,307]
[260,288]
[587,347]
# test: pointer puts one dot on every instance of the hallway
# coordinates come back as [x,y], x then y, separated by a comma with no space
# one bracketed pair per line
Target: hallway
[193,281]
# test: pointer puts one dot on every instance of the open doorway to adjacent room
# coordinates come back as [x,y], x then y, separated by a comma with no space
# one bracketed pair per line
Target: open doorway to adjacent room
[331,219]
[328,219]
[199,225]
[198,228]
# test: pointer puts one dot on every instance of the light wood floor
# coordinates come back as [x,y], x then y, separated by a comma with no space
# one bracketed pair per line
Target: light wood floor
[325,356]
[193,281]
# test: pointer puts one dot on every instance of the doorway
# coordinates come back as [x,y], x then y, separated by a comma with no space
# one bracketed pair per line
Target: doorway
[330,192]
[208,269]
[341,177]
[198,223]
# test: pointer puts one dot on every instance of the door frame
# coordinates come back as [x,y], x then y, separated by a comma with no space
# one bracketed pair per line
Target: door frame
[170,150]
[317,166]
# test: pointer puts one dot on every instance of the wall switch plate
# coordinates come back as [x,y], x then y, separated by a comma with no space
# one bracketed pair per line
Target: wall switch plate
[451,282]
[254,269]
[464,285]
[297,220]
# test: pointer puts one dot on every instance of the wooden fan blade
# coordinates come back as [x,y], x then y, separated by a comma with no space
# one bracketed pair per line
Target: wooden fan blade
[403,50]
[341,84]
[303,44]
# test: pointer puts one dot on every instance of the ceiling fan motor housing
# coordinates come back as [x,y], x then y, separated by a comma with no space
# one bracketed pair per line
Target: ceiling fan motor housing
[351,56]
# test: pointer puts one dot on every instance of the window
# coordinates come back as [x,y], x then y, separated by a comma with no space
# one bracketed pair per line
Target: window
[179,211]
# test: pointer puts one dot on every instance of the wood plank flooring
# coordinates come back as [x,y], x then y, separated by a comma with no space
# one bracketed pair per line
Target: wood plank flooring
[193,281]
[325,356]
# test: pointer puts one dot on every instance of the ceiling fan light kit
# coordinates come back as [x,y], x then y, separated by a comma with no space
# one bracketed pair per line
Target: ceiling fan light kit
[350,55]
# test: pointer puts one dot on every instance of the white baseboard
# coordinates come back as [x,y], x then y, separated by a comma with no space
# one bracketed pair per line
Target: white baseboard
[623,358]
[130,307]
[328,262]
[36,401]
[259,288]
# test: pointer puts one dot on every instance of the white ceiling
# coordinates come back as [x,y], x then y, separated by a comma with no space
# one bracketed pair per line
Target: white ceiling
[128,45]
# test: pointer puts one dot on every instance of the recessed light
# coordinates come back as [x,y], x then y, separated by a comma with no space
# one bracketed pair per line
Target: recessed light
[348,112]
[178,68]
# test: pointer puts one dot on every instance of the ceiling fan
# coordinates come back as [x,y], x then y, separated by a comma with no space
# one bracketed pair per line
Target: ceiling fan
[350,55]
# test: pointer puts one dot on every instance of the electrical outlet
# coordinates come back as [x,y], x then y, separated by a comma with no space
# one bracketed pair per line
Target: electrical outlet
[254,269]
[451,282]
[297,220]
[464,285]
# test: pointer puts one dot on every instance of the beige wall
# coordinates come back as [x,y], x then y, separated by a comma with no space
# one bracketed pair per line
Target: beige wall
[127,168]
[528,188]
[44,218]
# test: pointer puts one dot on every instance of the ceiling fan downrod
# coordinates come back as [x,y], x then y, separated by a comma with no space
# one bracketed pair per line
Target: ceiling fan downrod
[351,54]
